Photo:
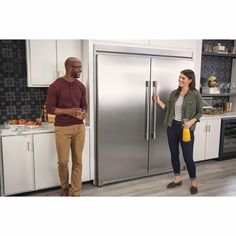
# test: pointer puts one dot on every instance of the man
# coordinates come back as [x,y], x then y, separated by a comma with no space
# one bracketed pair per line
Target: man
[66,99]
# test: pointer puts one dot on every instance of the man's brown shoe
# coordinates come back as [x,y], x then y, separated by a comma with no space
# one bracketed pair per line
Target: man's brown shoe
[174,184]
[65,192]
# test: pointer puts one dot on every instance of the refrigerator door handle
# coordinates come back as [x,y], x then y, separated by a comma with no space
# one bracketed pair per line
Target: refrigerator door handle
[154,87]
[147,109]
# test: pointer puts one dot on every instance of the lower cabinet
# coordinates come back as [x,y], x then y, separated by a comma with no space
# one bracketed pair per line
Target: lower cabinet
[18,164]
[45,159]
[207,139]
[29,162]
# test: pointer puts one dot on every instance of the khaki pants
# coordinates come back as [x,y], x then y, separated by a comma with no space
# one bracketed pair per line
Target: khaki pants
[70,137]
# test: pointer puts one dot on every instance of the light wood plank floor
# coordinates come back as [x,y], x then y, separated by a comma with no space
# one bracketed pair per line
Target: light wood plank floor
[215,178]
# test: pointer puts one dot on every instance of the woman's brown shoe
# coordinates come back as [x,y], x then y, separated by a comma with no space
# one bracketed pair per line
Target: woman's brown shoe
[193,189]
[174,184]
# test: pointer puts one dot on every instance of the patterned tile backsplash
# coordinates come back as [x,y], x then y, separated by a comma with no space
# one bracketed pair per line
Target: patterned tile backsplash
[218,66]
[16,99]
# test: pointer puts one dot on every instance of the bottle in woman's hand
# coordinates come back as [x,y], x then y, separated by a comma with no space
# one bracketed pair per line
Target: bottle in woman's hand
[186,133]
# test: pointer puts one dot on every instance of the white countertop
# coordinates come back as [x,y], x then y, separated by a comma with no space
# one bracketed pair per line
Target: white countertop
[225,115]
[22,129]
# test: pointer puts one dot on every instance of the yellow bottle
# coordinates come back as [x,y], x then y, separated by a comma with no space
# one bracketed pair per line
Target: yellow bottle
[186,135]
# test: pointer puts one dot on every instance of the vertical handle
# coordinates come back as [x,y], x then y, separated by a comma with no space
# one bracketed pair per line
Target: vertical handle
[28,146]
[147,86]
[209,128]
[154,93]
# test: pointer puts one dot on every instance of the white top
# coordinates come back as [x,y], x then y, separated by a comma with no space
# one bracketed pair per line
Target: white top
[178,108]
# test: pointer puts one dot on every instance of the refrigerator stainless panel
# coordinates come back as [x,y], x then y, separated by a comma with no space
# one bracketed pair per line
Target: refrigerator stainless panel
[122,150]
[166,72]
[101,48]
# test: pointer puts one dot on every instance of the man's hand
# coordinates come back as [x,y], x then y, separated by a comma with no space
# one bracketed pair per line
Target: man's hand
[81,114]
[73,111]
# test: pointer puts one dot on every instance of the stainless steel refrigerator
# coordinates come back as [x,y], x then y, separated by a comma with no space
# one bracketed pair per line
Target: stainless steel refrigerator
[131,139]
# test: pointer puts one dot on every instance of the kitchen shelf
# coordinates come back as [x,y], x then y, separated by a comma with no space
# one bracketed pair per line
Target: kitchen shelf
[218,54]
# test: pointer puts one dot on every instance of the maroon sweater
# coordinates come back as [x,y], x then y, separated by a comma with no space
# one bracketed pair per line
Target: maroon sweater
[63,94]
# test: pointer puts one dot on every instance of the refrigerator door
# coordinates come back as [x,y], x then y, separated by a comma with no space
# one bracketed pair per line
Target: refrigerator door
[165,71]
[122,105]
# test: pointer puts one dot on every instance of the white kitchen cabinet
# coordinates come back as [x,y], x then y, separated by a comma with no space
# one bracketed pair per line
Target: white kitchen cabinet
[207,139]
[45,59]
[45,157]
[213,139]
[29,162]
[199,141]
[18,164]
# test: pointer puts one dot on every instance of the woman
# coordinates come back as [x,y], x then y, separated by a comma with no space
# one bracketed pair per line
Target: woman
[185,104]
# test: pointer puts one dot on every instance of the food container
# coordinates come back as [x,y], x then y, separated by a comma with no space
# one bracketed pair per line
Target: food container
[228,106]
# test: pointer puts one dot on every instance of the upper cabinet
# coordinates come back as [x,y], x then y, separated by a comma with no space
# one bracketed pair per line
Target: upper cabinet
[45,59]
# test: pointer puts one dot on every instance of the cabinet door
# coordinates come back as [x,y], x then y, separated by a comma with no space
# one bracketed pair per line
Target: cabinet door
[213,139]
[65,49]
[41,62]
[45,156]
[199,141]
[18,164]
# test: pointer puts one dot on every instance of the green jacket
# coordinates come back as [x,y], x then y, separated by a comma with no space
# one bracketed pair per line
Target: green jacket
[191,108]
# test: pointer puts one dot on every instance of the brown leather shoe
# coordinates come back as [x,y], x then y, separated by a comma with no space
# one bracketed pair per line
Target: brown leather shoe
[193,190]
[65,192]
[174,184]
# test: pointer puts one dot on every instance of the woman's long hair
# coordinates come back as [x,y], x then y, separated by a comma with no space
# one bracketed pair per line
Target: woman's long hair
[190,75]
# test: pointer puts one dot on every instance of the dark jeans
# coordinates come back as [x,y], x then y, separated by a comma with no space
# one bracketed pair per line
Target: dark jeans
[174,134]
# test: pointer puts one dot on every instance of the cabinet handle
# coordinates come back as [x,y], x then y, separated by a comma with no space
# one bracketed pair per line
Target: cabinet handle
[209,128]
[28,146]
[206,128]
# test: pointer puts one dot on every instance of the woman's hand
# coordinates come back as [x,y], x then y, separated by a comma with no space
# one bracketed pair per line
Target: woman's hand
[156,99]
[189,123]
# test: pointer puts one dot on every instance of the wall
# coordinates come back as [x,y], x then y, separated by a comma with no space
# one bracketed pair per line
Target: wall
[16,99]
[220,67]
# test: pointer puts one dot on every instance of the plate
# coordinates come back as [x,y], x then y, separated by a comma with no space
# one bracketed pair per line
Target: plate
[32,126]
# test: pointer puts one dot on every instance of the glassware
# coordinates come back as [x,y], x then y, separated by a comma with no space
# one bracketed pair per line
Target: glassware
[6,125]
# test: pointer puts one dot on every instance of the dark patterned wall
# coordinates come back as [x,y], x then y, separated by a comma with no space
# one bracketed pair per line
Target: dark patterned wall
[216,65]
[16,99]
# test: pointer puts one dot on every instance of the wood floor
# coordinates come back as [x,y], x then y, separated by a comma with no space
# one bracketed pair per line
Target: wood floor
[215,178]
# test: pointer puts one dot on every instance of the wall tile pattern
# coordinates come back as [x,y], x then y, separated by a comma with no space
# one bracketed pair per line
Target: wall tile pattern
[16,99]
[218,66]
